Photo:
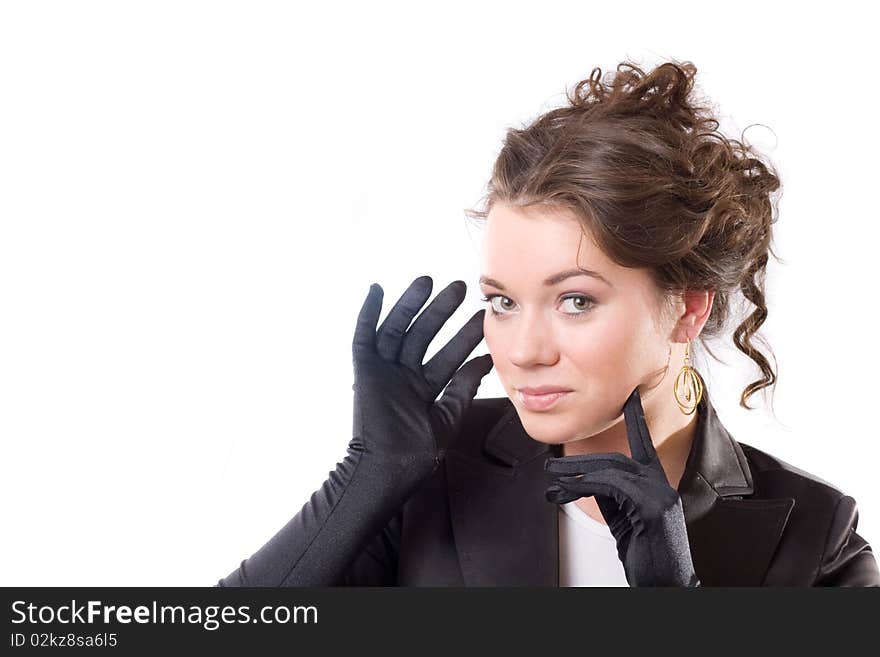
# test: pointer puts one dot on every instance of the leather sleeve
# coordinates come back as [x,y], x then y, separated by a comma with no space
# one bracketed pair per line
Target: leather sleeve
[848,559]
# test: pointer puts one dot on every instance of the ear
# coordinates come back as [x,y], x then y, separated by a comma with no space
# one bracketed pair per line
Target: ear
[695,313]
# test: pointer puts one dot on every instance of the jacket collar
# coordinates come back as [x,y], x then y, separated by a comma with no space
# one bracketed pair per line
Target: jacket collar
[507,533]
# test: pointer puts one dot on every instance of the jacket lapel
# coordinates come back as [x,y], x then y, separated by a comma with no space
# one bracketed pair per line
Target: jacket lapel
[507,533]
[505,530]
[732,532]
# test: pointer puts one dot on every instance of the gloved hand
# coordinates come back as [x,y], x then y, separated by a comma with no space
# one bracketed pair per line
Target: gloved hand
[400,435]
[398,421]
[643,511]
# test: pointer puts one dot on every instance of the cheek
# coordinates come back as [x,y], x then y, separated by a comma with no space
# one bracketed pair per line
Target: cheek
[603,348]
[498,348]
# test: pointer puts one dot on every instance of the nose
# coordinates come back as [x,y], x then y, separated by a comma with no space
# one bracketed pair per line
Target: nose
[533,341]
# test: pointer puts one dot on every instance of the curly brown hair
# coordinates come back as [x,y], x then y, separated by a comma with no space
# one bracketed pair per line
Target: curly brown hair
[639,161]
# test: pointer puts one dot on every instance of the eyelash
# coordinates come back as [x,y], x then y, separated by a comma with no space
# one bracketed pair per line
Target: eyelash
[488,298]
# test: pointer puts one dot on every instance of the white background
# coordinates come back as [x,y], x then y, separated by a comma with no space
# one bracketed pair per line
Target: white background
[196,196]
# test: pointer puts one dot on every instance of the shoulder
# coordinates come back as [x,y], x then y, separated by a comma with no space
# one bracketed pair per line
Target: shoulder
[774,477]
[815,498]
[824,516]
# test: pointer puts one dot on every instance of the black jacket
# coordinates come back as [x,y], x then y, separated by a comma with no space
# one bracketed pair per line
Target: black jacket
[482,519]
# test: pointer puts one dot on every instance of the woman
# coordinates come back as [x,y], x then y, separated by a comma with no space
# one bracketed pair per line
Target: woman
[619,229]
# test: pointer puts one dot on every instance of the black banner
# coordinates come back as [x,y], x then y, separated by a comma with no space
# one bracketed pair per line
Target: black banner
[264,621]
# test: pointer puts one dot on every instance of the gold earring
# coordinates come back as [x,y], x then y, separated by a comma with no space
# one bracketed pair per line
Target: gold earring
[688,384]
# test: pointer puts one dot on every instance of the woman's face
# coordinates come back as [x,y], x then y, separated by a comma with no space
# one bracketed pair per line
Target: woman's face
[598,338]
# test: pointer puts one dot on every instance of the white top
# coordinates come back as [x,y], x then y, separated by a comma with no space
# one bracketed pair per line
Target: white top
[587,551]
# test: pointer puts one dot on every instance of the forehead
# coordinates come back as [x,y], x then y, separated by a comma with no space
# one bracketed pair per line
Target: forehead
[538,240]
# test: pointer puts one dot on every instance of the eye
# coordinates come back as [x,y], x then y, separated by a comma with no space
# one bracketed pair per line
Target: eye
[490,298]
[581,303]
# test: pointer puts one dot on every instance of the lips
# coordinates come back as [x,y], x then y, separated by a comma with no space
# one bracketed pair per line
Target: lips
[543,390]
[546,397]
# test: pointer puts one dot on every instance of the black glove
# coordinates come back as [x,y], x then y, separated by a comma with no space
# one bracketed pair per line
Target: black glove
[643,511]
[396,410]
[401,432]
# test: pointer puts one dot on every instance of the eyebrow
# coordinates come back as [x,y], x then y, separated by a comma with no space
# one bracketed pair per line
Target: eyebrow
[554,279]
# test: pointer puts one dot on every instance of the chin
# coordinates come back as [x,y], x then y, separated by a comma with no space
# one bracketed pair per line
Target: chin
[550,429]
[558,427]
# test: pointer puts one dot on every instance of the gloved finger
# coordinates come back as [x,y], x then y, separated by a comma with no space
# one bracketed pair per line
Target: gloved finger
[650,497]
[365,329]
[627,489]
[389,337]
[583,463]
[458,397]
[440,369]
[428,324]
[560,495]
[615,518]
[611,511]
[640,443]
